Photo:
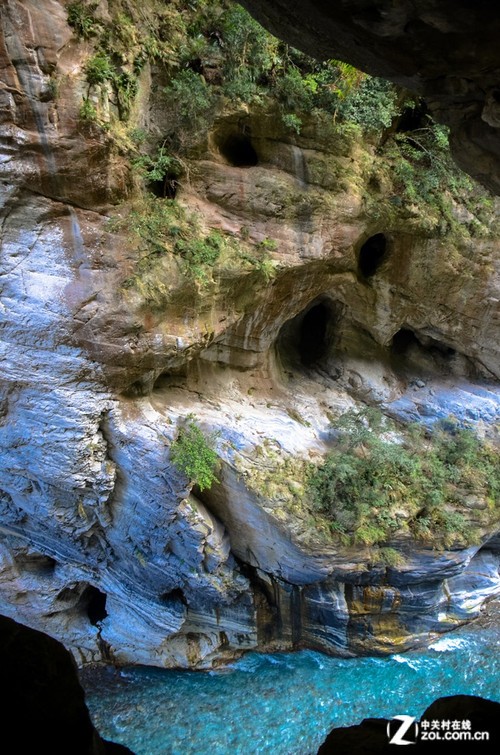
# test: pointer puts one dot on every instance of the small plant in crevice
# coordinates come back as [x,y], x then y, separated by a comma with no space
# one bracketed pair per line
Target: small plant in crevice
[165,227]
[158,169]
[88,112]
[193,453]
[81,18]
[99,69]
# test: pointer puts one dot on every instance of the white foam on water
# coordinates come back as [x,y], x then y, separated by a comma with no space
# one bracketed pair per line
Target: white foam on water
[448,643]
[411,662]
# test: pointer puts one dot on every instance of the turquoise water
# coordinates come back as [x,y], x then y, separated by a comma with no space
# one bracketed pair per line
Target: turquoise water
[284,704]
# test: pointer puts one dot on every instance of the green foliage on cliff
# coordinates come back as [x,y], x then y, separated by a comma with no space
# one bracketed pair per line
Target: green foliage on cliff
[375,483]
[207,58]
[81,18]
[193,453]
[228,56]
[164,226]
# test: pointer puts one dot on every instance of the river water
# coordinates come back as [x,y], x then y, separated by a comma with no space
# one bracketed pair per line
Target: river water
[285,704]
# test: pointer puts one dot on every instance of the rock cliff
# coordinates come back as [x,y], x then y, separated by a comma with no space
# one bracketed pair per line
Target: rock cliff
[330,291]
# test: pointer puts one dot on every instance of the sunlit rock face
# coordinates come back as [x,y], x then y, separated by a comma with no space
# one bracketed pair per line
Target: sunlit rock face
[444,51]
[104,545]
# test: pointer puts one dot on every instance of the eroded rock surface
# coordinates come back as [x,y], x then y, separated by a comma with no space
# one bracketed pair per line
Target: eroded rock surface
[104,544]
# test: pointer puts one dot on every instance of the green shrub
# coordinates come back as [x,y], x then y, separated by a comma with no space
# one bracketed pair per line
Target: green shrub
[81,19]
[153,167]
[193,454]
[99,69]
[191,102]
[125,86]
[200,253]
[391,557]
[292,122]
[372,105]
[368,478]
[87,112]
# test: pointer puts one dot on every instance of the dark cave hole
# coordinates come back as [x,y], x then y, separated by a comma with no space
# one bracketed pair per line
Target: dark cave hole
[413,118]
[166,187]
[38,564]
[304,341]
[312,342]
[403,340]
[196,65]
[427,354]
[95,603]
[176,376]
[175,594]
[238,150]
[372,254]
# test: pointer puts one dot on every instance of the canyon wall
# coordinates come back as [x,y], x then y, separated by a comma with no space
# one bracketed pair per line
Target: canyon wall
[352,296]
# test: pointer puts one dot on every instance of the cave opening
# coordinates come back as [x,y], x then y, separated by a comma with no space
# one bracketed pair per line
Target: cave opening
[174,595]
[423,354]
[305,340]
[166,187]
[413,118]
[37,563]
[95,604]
[372,254]
[403,340]
[313,330]
[239,151]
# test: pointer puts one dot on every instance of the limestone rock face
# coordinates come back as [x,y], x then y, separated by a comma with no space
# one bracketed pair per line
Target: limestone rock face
[445,51]
[104,544]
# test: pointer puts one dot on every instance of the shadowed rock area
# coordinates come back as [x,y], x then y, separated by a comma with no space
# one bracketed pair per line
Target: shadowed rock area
[446,51]
[43,708]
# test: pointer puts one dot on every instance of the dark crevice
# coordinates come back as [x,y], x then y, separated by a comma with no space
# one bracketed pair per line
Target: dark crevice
[416,353]
[38,564]
[402,341]
[413,118]
[94,602]
[174,595]
[372,254]
[312,336]
[174,377]
[405,340]
[166,187]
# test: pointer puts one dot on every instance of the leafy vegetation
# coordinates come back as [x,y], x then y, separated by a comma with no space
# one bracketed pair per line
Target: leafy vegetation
[227,55]
[88,113]
[194,454]
[211,57]
[81,19]
[164,226]
[164,230]
[374,484]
